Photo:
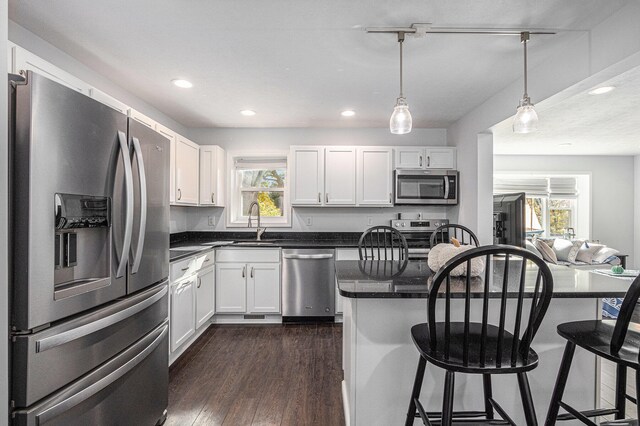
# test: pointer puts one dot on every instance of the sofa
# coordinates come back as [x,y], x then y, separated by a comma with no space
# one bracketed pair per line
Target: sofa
[577,253]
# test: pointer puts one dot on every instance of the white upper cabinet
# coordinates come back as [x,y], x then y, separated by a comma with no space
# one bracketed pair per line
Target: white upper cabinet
[340,176]
[170,134]
[212,176]
[307,169]
[140,117]
[110,101]
[425,158]
[187,171]
[374,176]
[23,60]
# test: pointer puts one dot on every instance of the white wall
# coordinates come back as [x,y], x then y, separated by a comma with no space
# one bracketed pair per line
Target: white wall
[612,191]
[636,209]
[323,219]
[580,60]
[26,39]
[4,228]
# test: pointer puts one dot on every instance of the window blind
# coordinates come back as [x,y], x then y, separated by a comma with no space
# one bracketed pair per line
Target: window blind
[563,187]
[557,186]
[260,163]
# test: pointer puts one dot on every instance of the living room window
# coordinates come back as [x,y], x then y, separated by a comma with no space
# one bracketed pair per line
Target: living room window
[553,202]
[262,179]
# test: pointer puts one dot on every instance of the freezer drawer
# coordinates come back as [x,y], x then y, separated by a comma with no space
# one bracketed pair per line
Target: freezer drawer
[130,389]
[46,361]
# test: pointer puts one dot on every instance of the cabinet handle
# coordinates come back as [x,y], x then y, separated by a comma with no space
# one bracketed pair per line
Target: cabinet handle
[244,271]
[390,198]
[185,269]
[179,194]
[319,198]
[421,161]
[213,196]
[251,272]
[428,161]
[206,260]
[199,282]
[326,198]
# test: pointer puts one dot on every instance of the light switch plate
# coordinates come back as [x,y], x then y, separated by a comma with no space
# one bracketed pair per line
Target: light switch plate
[309,220]
[212,220]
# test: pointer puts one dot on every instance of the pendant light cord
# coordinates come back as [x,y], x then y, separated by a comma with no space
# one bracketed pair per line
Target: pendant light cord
[524,38]
[401,40]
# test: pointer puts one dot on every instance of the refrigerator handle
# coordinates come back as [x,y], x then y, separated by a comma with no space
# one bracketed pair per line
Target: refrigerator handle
[143,206]
[128,227]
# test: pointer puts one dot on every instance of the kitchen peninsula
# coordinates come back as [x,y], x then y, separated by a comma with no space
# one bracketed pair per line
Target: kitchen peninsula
[383,300]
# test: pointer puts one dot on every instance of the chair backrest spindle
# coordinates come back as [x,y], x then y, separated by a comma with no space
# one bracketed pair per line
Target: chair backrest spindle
[443,233]
[383,243]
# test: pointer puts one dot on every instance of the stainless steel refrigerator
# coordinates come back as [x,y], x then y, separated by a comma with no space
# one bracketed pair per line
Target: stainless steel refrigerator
[90,261]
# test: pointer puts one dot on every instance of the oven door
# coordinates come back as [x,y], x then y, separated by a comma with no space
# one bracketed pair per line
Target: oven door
[425,187]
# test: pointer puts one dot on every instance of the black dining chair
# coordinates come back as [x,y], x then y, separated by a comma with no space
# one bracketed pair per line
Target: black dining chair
[619,342]
[444,233]
[383,243]
[459,345]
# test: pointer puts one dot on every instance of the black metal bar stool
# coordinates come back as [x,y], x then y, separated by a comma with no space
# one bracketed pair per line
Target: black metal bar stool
[444,233]
[383,243]
[618,342]
[480,347]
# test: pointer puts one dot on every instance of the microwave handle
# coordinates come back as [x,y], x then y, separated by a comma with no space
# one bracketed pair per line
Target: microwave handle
[446,187]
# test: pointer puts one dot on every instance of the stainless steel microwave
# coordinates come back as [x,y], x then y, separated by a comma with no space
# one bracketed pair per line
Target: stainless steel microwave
[433,187]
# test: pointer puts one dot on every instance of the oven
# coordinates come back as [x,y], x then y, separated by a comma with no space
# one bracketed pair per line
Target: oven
[418,232]
[430,187]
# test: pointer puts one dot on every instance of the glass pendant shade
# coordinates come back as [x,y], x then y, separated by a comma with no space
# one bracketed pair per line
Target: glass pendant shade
[400,122]
[526,119]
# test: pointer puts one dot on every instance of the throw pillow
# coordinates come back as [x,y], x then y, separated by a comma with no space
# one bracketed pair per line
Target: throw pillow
[532,248]
[547,241]
[575,247]
[562,248]
[587,251]
[604,253]
[547,252]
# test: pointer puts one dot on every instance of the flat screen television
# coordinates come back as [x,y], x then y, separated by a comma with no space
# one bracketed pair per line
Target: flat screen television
[509,219]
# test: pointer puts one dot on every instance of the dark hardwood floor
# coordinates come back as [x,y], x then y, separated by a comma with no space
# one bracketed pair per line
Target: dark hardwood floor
[259,375]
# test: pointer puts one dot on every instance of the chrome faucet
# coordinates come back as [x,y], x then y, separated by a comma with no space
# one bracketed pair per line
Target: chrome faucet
[259,230]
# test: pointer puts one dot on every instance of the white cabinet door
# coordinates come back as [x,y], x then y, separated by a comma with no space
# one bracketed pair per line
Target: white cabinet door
[340,176]
[182,321]
[170,134]
[141,118]
[440,158]
[263,288]
[212,173]
[307,176]
[375,176]
[205,296]
[410,158]
[187,171]
[231,288]
[109,101]
[27,61]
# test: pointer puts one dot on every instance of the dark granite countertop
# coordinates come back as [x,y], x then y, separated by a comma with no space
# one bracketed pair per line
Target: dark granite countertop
[386,279]
[246,239]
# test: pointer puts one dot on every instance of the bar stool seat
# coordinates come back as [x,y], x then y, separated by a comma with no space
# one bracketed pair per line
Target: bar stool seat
[595,336]
[492,363]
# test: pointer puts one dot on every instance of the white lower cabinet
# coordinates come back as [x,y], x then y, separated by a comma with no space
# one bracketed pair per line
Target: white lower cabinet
[183,319]
[205,296]
[248,281]
[231,288]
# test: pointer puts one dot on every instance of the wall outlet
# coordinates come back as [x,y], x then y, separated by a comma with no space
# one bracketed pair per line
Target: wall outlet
[212,220]
[309,220]
[369,220]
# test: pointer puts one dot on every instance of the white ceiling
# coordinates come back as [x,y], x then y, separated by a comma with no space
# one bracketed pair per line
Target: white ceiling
[582,124]
[298,63]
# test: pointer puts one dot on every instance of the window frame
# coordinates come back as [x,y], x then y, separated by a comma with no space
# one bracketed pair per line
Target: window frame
[234,217]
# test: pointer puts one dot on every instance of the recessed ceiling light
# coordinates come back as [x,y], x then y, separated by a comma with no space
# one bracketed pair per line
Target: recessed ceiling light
[565,144]
[601,90]
[248,112]
[182,83]
[348,113]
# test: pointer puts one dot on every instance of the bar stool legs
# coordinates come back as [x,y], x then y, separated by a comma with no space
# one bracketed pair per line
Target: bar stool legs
[527,400]
[621,389]
[488,394]
[415,393]
[561,381]
[447,400]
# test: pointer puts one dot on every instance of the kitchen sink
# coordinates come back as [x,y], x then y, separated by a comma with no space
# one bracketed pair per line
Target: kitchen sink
[253,243]
[188,248]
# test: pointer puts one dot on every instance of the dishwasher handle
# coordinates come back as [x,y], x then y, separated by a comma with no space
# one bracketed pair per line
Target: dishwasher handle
[307,256]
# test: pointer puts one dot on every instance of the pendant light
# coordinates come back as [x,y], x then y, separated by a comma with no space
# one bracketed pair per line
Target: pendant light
[400,122]
[526,119]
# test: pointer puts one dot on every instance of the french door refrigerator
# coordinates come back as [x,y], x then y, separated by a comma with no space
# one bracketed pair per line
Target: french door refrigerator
[90,261]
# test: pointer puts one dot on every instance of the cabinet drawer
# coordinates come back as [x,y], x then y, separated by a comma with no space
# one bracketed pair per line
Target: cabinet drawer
[204,260]
[189,266]
[248,255]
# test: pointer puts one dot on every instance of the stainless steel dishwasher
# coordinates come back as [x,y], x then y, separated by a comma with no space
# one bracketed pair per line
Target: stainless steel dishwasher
[308,284]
